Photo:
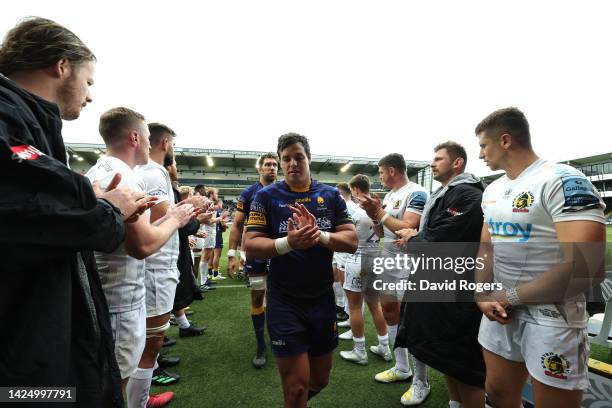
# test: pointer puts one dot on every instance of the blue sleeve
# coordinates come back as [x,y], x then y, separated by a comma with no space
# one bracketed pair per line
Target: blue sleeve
[416,202]
[259,215]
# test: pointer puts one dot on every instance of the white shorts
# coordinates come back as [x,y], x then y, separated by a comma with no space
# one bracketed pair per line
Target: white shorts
[161,287]
[211,238]
[555,356]
[339,260]
[130,334]
[352,274]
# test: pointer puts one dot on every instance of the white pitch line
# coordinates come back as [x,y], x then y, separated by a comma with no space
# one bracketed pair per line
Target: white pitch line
[230,286]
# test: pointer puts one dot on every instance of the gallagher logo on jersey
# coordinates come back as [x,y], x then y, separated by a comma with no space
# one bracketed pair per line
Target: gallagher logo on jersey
[522,202]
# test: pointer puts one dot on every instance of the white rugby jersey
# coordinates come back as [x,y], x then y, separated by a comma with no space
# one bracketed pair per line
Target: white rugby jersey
[158,184]
[121,275]
[410,197]
[365,230]
[351,207]
[520,215]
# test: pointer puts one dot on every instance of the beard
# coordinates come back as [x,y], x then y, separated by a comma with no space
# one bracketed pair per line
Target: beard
[67,100]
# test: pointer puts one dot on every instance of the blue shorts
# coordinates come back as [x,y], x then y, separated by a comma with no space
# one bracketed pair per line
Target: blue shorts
[219,239]
[299,326]
[256,267]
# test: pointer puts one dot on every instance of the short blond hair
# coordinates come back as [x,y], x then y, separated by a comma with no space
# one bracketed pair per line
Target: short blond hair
[185,191]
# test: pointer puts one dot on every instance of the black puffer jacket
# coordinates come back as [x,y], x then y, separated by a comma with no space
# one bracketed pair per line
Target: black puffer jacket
[55,316]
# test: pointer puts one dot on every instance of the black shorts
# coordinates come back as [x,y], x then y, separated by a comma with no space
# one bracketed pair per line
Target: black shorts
[445,337]
[299,326]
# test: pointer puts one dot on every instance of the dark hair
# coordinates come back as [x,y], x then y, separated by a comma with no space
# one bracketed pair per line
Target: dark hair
[507,120]
[360,181]
[157,131]
[115,121]
[394,160]
[289,139]
[454,150]
[36,43]
[344,188]
[265,156]
[198,189]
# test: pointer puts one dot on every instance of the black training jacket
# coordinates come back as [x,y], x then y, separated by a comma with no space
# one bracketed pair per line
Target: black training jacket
[56,328]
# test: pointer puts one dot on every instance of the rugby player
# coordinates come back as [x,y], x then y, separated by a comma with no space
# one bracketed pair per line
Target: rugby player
[297,224]
[536,326]
[444,334]
[208,251]
[122,272]
[401,208]
[368,241]
[267,165]
[161,271]
[338,263]
[220,228]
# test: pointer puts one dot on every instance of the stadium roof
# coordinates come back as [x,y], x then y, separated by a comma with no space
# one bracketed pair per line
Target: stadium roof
[242,159]
[232,170]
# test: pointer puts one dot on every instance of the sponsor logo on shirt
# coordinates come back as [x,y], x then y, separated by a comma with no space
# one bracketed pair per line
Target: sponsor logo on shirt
[453,211]
[555,365]
[323,223]
[25,152]
[397,204]
[522,202]
[578,193]
[257,218]
[509,229]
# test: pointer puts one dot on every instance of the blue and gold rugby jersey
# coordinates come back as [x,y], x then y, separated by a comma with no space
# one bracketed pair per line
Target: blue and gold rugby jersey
[300,273]
[246,197]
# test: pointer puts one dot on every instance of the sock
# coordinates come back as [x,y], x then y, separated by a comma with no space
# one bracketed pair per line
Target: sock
[139,384]
[209,268]
[258,316]
[360,344]
[215,272]
[346,305]
[401,359]
[203,272]
[339,292]
[312,393]
[383,340]
[392,333]
[182,322]
[420,370]
[454,404]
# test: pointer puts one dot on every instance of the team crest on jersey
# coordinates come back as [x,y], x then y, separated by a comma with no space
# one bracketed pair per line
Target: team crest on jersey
[397,204]
[522,202]
[555,365]
[240,205]
[320,200]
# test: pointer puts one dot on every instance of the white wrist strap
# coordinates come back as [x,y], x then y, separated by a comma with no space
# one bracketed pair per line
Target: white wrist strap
[325,237]
[282,246]
[231,253]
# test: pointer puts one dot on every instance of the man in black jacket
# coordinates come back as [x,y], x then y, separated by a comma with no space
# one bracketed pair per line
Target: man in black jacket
[50,220]
[444,335]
